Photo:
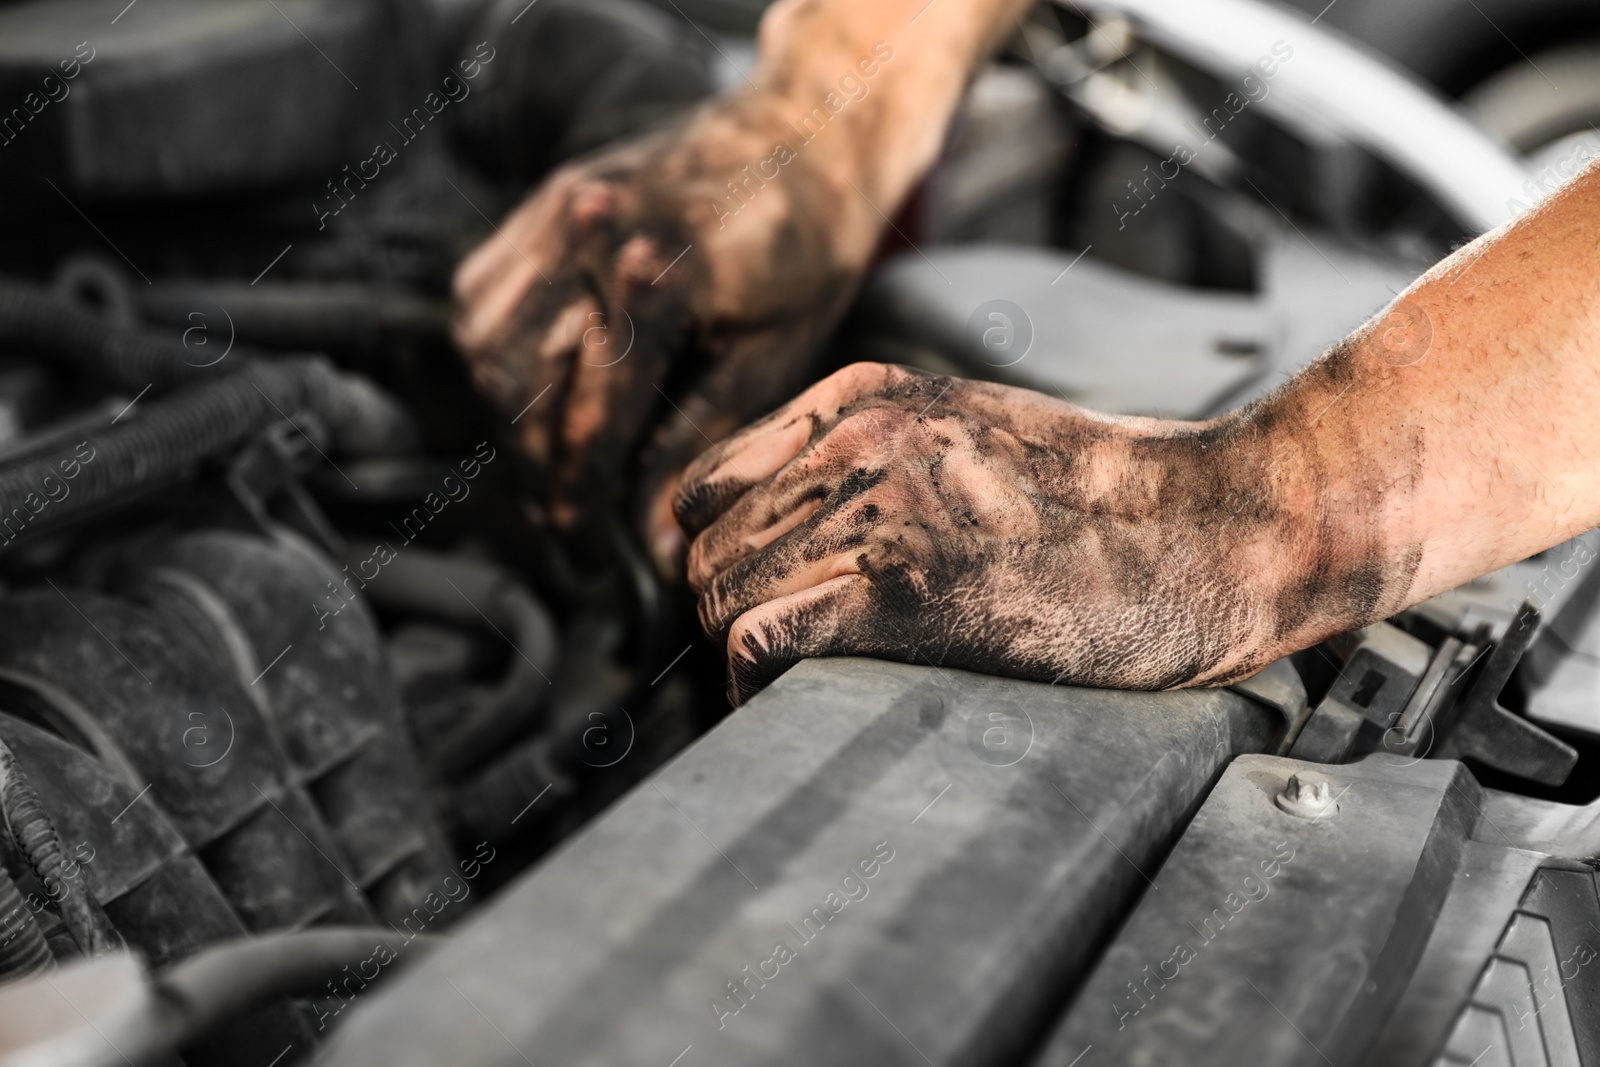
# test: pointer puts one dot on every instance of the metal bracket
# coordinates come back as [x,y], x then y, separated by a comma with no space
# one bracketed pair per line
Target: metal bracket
[1484,731]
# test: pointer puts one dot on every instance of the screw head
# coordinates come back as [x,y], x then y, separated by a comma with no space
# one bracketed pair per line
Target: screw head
[1307,797]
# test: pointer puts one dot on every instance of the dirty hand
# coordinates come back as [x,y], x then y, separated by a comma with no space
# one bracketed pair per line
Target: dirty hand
[664,292]
[954,523]
[632,301]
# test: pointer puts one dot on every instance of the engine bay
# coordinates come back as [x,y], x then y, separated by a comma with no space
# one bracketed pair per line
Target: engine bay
[286,649]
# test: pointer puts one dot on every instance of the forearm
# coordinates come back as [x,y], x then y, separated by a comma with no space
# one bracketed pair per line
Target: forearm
[869,88]
[1460,430]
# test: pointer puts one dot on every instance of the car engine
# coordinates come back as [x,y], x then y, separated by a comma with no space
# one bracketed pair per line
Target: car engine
[317,744]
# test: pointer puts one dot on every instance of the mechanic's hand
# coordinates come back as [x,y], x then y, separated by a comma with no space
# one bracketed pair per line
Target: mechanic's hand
[630,304]
[955,523]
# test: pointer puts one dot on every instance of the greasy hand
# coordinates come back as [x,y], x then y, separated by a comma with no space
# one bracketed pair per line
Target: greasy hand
[631,307]
[955,523]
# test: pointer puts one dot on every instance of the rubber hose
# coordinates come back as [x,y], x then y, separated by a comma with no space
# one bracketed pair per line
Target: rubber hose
[35,834]
[221,983]
[23,951]
[34,319]
[129,357]
[165,441]
[499,714]
[470,591]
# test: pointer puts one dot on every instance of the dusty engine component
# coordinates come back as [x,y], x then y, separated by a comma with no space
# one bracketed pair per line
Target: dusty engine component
[863,837]
[158,893]
[116,106]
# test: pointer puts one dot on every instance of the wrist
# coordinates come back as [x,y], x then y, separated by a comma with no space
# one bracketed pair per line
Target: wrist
[863,94]
[1318,526]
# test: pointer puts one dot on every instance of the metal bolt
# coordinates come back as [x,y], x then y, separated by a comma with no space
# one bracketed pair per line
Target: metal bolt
[1307,797]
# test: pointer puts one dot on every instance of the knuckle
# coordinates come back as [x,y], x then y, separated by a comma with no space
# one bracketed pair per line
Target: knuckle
[695,473]
[873,420]
[866,432]
[686,510]
[700,499]
[858,376]
[562,184]
[590,200]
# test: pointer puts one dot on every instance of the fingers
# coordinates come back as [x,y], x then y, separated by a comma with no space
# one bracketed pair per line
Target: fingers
[794,564]
[828,619]
[524,251]
[610,399]
[734,536]
[719,477]
[723,474]
[849,459]
[621,355]
[539,367]
[563,348]
[486,311]
[515,327]
[842,537]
